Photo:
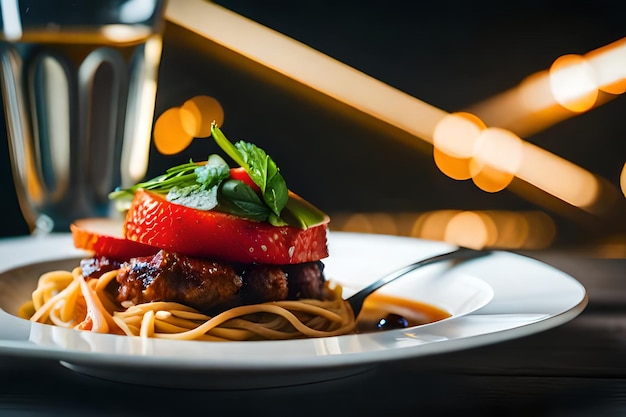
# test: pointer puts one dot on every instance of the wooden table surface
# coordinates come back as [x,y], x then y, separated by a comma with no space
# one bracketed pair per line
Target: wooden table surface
[577,369]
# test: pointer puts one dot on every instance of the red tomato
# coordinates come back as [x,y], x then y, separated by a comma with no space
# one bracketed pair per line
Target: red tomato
[154,221]
[105,237]
[241,175]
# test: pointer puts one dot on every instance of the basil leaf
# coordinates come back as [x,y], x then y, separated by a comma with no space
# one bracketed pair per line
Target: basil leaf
[256,161]
[263,171]
[260,167]
[241,200]
[276,194]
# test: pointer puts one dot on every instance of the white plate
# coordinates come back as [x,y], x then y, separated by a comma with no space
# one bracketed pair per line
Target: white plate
[492,299]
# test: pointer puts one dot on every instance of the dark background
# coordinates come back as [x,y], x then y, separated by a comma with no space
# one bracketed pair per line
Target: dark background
[449,54]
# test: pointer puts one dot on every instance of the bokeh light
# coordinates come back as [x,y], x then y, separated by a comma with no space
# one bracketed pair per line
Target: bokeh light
[432,225]
[499,229]
[170,136]
[204,110]
[573,83]
[380,223]
[558,177]
[489,179]
[471,230]
[534,93]
[609,65]
[497,157]
[454,140]
[175,128]
[464,148]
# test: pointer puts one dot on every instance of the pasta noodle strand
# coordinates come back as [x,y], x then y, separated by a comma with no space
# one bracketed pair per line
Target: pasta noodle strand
[67,299]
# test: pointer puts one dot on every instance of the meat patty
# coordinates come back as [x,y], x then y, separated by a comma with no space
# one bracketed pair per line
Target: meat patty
[98,265]
[208,285]
[304,280]
[202,284]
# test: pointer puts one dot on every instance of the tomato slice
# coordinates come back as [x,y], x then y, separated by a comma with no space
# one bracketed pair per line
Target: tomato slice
[154,221]
[104,237]
[242,175]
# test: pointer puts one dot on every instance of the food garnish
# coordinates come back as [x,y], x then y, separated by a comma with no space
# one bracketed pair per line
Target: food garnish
[205,252]
[255,191]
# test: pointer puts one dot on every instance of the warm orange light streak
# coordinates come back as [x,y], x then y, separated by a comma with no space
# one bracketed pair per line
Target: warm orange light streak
[454,140]
[347,85]
[493,157]
[306,65]
[457,134]
[464,148]
[497,157]
[558,177]
[533,95]
[609,65]
[499,149]
[573,84]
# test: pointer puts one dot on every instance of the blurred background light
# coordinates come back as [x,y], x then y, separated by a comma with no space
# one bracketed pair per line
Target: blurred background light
[204,111]
[386,119]
[573,83]
[529,230]
[176,127]
[170,135]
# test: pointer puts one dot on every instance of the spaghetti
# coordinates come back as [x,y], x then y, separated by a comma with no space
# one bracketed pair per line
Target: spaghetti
[66,299]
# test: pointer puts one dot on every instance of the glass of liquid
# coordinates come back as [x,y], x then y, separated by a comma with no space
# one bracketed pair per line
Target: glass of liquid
[78,80]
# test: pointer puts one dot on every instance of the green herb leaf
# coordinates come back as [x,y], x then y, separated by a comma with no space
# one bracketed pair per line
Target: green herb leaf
[276,194]
[213,172]
[260,167]
[227,146]
[179,176]
[256,162]
[206,186]
[241,200]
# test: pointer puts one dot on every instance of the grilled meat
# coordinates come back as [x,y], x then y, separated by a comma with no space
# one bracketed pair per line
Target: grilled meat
[98,265]
[207,285]
[202,284]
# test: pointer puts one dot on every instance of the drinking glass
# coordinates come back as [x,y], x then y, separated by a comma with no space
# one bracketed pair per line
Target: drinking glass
[78,81]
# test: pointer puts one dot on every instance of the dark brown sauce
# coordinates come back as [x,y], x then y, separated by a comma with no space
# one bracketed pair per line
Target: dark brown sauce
[386,312]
